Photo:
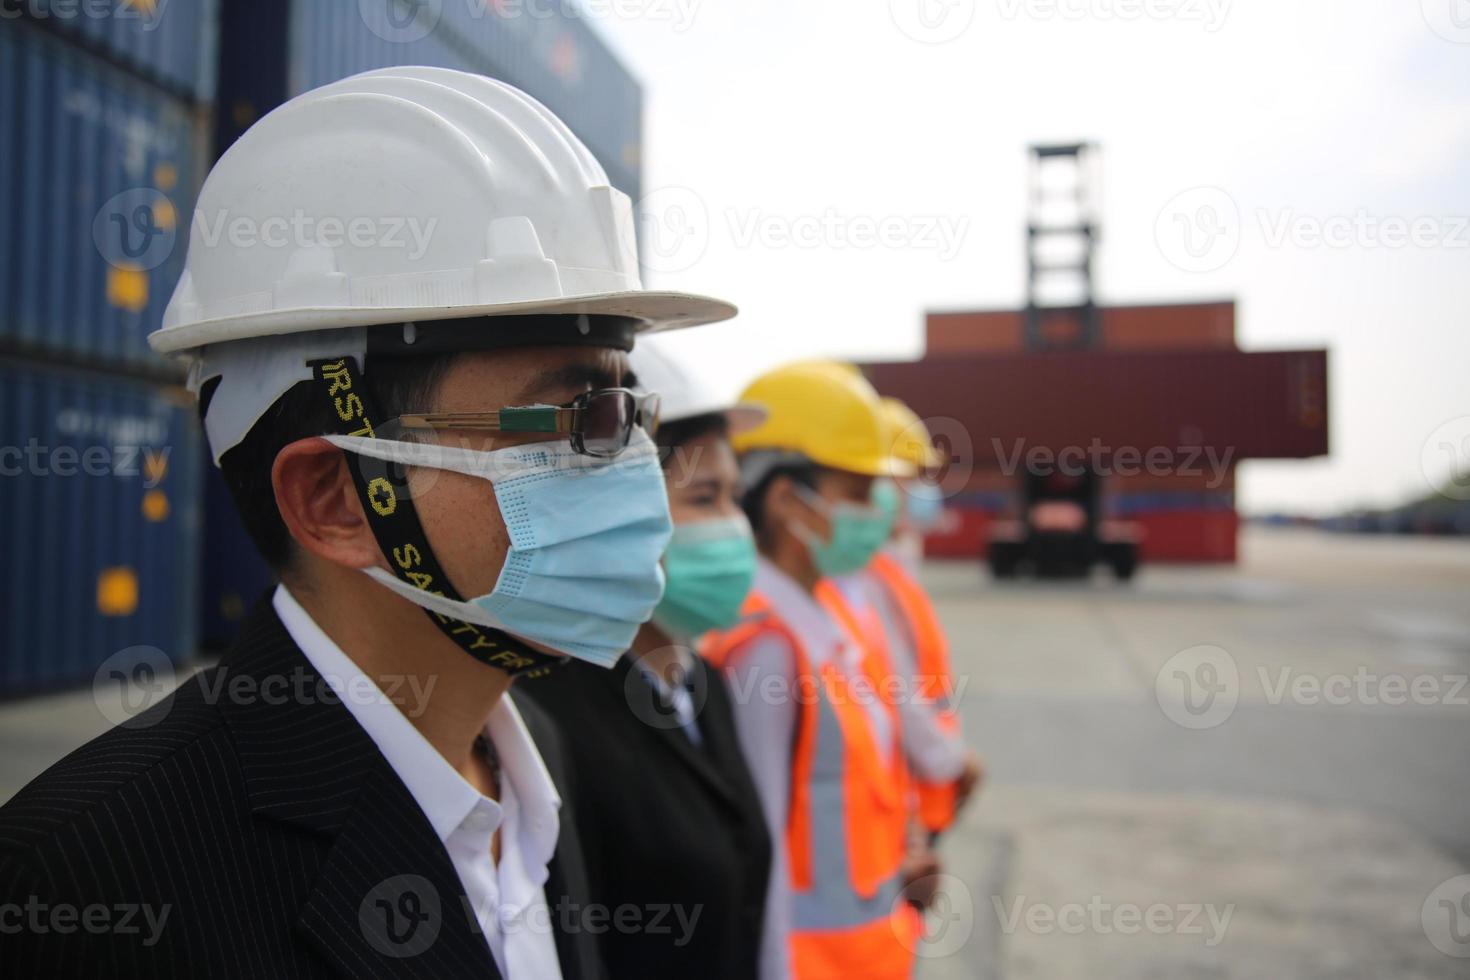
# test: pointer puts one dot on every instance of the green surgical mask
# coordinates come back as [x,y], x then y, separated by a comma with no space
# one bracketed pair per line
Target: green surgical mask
[709,567]
[858,532]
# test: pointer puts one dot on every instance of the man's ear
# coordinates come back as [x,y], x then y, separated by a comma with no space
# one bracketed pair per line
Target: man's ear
[319,504]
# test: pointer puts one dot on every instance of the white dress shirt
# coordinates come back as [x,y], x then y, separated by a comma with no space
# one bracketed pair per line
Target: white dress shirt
[508,900]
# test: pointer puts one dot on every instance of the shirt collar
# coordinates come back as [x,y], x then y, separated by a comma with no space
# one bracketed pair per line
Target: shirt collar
[445,796]
[824,639]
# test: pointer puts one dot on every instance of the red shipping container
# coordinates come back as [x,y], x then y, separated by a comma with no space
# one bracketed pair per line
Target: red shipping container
[1236,405]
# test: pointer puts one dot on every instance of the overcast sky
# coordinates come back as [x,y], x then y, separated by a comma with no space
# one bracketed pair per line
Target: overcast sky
[1325,145]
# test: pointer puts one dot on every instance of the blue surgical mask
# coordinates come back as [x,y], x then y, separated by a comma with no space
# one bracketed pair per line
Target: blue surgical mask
[710,566]
[925,505]
[582,573]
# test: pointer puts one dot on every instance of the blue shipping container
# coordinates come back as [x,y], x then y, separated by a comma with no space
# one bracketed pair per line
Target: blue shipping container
[100,484]
[544,49]
[98,180]
[170,42]
[235,576]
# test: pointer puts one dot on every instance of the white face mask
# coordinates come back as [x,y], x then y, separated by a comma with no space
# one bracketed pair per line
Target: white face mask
[582,573]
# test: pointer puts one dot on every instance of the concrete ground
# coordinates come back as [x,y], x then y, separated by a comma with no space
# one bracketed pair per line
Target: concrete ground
[1257,772]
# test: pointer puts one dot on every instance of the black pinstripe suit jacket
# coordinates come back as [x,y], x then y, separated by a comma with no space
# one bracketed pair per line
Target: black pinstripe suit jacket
[250,828]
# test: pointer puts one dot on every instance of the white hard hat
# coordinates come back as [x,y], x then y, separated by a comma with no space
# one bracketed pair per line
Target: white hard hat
[405,195]
[684,391]
[409,194]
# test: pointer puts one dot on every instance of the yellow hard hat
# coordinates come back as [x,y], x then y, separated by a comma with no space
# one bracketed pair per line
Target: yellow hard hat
[912,442]
[828,414]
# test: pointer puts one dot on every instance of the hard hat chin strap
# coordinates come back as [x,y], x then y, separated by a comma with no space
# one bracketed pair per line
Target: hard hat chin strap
[388,504]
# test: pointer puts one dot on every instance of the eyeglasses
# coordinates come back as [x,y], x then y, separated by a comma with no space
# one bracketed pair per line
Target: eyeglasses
[597,423]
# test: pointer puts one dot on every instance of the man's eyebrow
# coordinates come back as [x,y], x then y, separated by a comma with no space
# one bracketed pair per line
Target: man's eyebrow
[578,377]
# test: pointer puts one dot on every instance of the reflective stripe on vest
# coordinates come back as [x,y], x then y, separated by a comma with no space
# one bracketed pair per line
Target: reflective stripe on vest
[846,919]
[866,629]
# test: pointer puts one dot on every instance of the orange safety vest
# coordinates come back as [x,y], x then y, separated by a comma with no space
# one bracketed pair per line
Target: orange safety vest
[844,838]
[937,802]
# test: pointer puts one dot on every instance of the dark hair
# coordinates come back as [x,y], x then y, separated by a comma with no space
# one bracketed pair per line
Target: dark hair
[396,384]
[672,435]
[753,501]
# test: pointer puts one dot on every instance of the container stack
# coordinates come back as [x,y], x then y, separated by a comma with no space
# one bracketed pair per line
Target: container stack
[123,547]
[104,112]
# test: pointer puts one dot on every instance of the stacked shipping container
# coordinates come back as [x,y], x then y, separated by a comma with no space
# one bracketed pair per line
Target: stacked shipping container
[109,113]
[1165,378]
[103,112]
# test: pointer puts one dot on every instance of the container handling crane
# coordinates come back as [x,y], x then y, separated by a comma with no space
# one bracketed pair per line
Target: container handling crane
[1060,532]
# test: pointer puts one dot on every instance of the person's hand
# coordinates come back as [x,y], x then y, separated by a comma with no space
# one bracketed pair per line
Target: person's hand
[970,778]
[920,876]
